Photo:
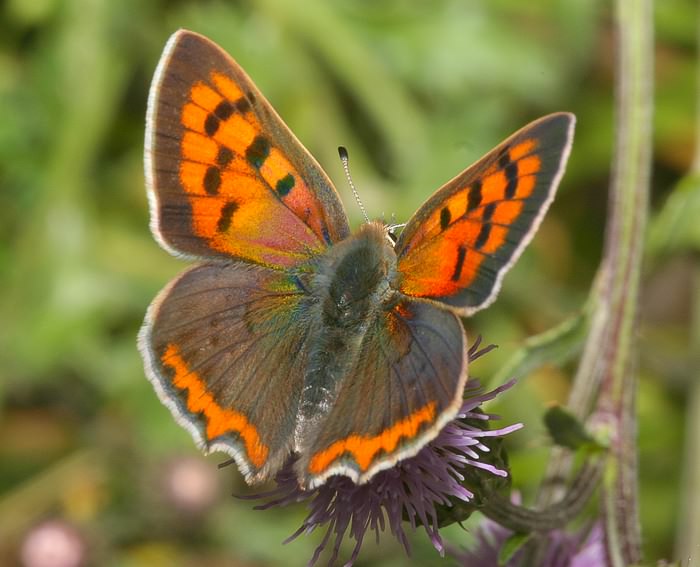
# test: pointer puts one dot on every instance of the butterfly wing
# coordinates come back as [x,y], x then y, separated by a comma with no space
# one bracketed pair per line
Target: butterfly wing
[225,347]
[225,175]
[405,385]
[225,343]
[459,244]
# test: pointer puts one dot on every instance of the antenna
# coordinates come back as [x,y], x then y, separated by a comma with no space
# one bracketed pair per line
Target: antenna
[343,153]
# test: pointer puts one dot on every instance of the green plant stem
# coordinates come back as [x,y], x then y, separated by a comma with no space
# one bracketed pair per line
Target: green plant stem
[688,542]
[525,520]
[608,364]
[625,246]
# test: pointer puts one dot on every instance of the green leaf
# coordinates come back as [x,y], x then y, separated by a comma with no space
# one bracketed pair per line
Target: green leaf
[511,546]
[556,345]
[675,228]
[567,431]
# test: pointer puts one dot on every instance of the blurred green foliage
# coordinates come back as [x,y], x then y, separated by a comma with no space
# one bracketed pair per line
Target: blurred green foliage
[416,91]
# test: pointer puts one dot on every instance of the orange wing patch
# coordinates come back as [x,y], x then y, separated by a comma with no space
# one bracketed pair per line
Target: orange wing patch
[247,199]
[364,449]
[446,251]
[220,421]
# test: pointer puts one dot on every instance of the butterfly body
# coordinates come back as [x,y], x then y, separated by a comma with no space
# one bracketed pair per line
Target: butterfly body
[353,284]
[293,338]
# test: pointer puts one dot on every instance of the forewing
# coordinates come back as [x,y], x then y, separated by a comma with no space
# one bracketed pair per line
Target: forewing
[225,175]
[458,246]
[225,348]
[406,384]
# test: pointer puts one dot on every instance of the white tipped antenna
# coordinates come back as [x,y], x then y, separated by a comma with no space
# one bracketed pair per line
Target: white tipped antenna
[343,153]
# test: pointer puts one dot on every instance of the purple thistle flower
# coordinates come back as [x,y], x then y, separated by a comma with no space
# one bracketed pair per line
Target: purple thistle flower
[563,549]
[413,491]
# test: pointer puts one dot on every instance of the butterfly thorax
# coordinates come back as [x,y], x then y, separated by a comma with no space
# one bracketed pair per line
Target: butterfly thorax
[357,277]
[355,282]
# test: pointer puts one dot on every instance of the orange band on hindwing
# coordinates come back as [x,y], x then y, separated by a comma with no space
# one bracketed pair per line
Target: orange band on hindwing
[364,449]
[220,421]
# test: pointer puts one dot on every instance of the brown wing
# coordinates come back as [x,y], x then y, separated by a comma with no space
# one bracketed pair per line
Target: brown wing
[226,353]
[406,384]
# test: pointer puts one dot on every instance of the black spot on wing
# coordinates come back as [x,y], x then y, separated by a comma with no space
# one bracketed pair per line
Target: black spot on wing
[285,185]
[488,212]
[221,113]
[211,125]
[258,151]
[459,264]
[226,217]
[445,218]
[224,156]
[483,235]
[485,231]
[212,180]
[474,196]
[511,172]
[242,105]
[223,110]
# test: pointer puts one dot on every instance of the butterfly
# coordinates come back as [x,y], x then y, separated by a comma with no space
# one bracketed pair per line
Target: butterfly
[293,337]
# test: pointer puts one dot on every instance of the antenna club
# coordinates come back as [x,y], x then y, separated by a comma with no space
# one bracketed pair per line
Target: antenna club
[343,153]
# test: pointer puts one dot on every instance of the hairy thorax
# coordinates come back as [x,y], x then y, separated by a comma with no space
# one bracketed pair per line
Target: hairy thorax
[356,279]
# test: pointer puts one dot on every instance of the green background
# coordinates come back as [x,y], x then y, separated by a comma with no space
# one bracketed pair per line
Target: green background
[416,91]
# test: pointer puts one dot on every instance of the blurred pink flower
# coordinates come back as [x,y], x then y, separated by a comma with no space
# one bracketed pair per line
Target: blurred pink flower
[191,484]
[53,543]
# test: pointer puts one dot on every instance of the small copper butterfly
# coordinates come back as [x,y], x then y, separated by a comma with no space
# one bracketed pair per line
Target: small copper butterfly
[292,335]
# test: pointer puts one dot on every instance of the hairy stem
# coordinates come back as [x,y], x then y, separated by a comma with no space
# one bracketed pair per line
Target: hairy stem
[524,520]
[629,205]
[608,364]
